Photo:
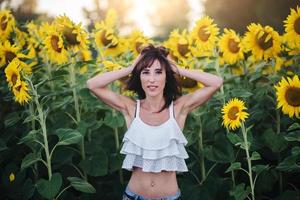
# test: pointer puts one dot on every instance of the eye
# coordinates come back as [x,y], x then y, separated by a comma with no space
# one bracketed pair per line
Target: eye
[145,72]
[158,71]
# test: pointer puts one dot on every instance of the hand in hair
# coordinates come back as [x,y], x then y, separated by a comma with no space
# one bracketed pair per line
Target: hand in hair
[173,64]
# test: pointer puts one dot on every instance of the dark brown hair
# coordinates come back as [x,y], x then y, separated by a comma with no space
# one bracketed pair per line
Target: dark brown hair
[148,55]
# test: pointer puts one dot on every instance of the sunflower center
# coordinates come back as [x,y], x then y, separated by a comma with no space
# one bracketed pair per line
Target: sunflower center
[232,113]
[3,22]
[233,46]
[202,33]
[54,43]
[292,96]
[9,56]
[107,42]
[18,88]
[183,49]
[297,25]
[14,78]
[70,36]
[264,44]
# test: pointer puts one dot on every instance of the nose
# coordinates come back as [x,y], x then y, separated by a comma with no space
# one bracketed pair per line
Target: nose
[152,78]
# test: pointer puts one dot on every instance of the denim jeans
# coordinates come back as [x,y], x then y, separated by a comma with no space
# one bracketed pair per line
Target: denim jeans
[129,195]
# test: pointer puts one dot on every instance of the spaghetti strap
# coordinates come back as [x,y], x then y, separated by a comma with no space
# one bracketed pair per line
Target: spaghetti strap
[171,110]
[137,110]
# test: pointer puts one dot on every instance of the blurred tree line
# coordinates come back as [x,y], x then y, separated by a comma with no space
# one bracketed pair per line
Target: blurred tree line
[167,15]
[238,14]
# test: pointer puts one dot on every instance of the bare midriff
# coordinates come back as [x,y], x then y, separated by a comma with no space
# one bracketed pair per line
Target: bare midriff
[153,185]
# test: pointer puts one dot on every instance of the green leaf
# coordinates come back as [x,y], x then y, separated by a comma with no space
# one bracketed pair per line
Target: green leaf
[49,189]
[255,156]
[259,168]
[113,121]
[241,93]
[81,185]
[221,151]
[239,192]
[95,165]
[291,163]
[293,136]
[30,118]
[234,139]
[31,136]
[82,127]
[2,145]
[233,166]
[294,126]
[68,136]
[11,119]
[275,142]
[29,160]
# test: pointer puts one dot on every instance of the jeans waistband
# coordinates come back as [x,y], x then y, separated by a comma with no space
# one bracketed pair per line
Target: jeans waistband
[135,196]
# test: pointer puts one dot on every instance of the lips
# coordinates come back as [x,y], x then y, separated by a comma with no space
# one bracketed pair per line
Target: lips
[152,87]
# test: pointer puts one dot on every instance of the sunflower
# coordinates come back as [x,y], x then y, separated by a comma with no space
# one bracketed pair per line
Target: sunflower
[110,66]
[263,42]
[137,40]
[204,35]
[21,92]
[54,45]
[288,96]
[12,73]
[84,55]
[108,41]
[8,52]
[292,29]
[74,35]
[231,46]
[180,45]
[7,24]
[233,113]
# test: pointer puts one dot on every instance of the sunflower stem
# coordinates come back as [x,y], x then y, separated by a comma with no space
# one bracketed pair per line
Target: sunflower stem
[49,70]
[202,164]
[279,156]
[42,122]
[248,160]
[76,105]
[35,165]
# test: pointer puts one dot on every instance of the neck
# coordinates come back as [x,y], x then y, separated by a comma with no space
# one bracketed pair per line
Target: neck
[154,104]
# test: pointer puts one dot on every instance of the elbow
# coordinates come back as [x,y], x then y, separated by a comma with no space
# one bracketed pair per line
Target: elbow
[89,84]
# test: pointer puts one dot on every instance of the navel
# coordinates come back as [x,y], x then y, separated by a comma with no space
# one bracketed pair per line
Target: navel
[152,183]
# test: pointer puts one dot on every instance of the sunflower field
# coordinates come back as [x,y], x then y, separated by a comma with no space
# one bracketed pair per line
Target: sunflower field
[58,141]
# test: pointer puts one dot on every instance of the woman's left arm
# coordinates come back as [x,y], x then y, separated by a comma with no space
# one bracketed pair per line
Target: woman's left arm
[211,83]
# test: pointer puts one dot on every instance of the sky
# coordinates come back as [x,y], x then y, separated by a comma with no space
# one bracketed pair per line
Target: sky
[73,9]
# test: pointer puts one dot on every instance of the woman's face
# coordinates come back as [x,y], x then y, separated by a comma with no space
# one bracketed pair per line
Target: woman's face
[153,79]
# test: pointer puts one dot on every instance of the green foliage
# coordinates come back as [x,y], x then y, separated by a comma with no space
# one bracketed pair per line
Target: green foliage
[81,185]
[49,188]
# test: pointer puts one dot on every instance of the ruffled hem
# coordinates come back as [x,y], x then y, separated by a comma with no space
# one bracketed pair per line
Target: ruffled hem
[173,149]
[155,139]
[170,163]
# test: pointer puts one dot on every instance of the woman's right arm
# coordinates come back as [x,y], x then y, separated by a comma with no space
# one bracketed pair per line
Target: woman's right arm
[98,86]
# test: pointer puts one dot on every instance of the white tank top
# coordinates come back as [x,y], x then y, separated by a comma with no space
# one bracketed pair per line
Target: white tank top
[154,148]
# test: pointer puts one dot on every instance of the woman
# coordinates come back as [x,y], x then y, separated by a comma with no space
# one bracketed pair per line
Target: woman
[154,142]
